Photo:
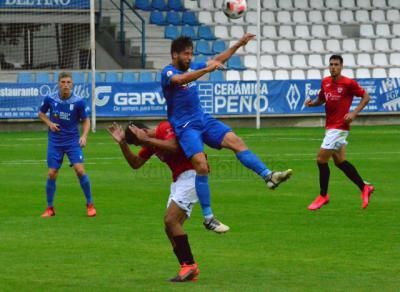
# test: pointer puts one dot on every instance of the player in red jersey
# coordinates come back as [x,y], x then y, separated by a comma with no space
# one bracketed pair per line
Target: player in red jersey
[337,94]
[162,142]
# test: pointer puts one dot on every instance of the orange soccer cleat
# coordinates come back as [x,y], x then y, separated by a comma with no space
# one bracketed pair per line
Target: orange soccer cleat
[49,212]
[318,202]
[91,210]
[366,194]
[187,273]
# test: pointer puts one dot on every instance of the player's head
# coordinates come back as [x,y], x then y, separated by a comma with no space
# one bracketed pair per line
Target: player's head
[65,84]
[131,137]
[182,52]
[335,65]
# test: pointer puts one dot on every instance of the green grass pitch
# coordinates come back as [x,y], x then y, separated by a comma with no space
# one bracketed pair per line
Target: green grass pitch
[275,243]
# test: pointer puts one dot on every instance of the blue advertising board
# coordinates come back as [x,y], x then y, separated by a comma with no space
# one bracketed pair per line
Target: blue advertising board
[217,98]
[45,4]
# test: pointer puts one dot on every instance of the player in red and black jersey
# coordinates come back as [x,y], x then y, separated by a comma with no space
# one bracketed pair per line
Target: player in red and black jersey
[161,141]
[337,93]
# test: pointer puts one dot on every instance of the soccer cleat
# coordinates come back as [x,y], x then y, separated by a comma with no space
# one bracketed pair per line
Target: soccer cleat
[275,178]
[366,194]
[187,273]
[319,202]
[49,212]
[216,226]
[91,210]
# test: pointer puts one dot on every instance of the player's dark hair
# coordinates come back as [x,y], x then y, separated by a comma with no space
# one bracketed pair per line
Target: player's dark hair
[64,75]
[336,57]
[180,44]
[130,138]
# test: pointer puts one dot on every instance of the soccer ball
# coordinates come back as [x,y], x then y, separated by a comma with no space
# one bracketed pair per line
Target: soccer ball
[234,8]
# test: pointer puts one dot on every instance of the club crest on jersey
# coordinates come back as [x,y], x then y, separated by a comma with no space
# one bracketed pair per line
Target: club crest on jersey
[340,89]
[169,73]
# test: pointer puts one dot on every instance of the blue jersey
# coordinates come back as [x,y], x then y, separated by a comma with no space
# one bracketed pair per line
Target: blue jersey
[67,114]
[182,100]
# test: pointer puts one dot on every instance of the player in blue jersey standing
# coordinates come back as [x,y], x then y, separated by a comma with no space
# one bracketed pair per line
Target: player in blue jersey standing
[193,127]
[66,111]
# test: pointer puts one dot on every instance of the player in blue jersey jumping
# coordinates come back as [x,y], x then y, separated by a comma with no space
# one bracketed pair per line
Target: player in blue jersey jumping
[66,110]
[193,127]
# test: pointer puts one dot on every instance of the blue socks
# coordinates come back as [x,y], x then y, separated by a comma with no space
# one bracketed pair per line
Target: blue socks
[85,185]
[251,161]
[50,190]
[203,193]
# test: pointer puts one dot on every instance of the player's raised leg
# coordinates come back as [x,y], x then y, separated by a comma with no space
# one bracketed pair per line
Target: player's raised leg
[253,162]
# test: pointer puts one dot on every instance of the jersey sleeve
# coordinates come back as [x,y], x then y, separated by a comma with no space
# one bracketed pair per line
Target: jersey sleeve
[165,131]
[145,153]
[83,110]
[167,74]
[198,65]
[356,89]
[44,107]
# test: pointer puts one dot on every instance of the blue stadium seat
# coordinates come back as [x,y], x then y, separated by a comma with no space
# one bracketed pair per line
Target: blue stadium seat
[235,63]
[78,77]
[43,77]
[174,18]
[111,77]
[145,76]
[189,18]
[217,76]
[201,59]
[176,5]
[159,5]
[206,33]
[143,4]
[25,77]
[190,32]
[218,47]
[129,77]
[157,17]
[99,77]
[171,32]
[203,47]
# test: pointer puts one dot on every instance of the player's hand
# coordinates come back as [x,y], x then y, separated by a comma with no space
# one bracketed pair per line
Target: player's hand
[308,102]
[54,127]
[246,38]
[116,132]
[82,141]
[140,135]
[213,65]
[349,117]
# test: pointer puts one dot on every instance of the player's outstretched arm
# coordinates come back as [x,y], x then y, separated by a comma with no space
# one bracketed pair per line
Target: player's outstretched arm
[225,55]
[117,133]
[188,77]
[45,119]
[170,145]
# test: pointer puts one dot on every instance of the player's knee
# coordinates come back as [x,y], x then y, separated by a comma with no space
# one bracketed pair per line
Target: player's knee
[80,171]
[52,174]
[234,142]
[170,220]
[200,164]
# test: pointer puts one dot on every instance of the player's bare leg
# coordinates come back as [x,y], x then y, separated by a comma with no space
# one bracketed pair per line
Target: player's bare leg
[272,178]
[86,188]
[173,221]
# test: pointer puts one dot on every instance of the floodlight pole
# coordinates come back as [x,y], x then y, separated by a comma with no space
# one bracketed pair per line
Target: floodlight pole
[258,64]
[93,63]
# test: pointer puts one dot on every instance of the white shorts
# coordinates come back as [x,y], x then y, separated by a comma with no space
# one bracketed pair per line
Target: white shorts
[183,191]
[334,139]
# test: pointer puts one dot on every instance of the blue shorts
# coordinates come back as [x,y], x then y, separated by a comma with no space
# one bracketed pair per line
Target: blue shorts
[193,134]
[55,155]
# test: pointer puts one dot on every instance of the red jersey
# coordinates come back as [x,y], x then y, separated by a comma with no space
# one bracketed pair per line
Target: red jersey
[177,162]
[338,96]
